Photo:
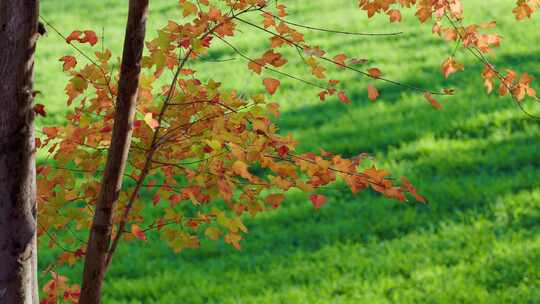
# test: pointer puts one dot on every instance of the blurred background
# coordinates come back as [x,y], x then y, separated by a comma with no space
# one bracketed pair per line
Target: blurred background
[477,160]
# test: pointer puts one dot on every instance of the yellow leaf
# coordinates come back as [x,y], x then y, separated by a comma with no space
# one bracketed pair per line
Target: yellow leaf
[212,233]
[188,8]
[240,168]
[273,108]
[150,121]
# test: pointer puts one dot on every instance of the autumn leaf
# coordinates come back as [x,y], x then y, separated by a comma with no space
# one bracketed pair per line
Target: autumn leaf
[373,93]
[423,14]
[273,58]
[233,239]
[281,9]
[339,60]
[374,72]
[150,121]
[137,232]
[343,97]
[69,62]
[317,200]
[358,61]
[283,151]
[90,37]
[522,88]
[206,41]
[50,131]
[450,66]
[83,37]
[212,233]
[318,71]
[488,74]
[271,85]
[525,8]
[106,129]
[240,168]
[448,91]
[193,223]
[273,109]
[75,35]
[432,101]
[174,199]
[409,187]
[188,8]
[395,193]
[187,72]
[156,199]
[256,65]
[40,109]
[275,199]
[395,15]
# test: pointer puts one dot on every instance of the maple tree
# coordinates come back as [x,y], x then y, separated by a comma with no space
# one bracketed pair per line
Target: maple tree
[198,157]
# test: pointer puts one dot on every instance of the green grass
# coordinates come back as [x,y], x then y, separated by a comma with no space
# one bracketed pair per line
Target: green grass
[478,241]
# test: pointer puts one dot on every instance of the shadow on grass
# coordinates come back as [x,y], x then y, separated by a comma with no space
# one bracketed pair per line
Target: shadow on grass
[463,182]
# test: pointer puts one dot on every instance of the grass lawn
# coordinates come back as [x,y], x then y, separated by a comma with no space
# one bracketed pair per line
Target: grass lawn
[477,160]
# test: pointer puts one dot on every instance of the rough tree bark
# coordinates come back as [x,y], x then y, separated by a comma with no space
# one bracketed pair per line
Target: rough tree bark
[18,256]
[95,264]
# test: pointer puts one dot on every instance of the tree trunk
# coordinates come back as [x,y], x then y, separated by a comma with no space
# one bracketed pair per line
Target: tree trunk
[100,235]
[18,256]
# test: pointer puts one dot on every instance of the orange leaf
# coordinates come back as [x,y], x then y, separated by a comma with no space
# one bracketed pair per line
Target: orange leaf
[188,8]
[344,98]
[89,36]
[75,35]
[424,13]
[240,168]
[137,232]
[271,85]
[69,62]
[409,187]
[256,65]
[450,66]
[233,239]
[372,92]
[281,9]
[50,131]
[432,101]
[374,72]
[340,60]
[273,108]
[395,15]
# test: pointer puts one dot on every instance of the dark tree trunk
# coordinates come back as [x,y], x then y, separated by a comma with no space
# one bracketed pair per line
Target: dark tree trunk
[18,256]
[100,235]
